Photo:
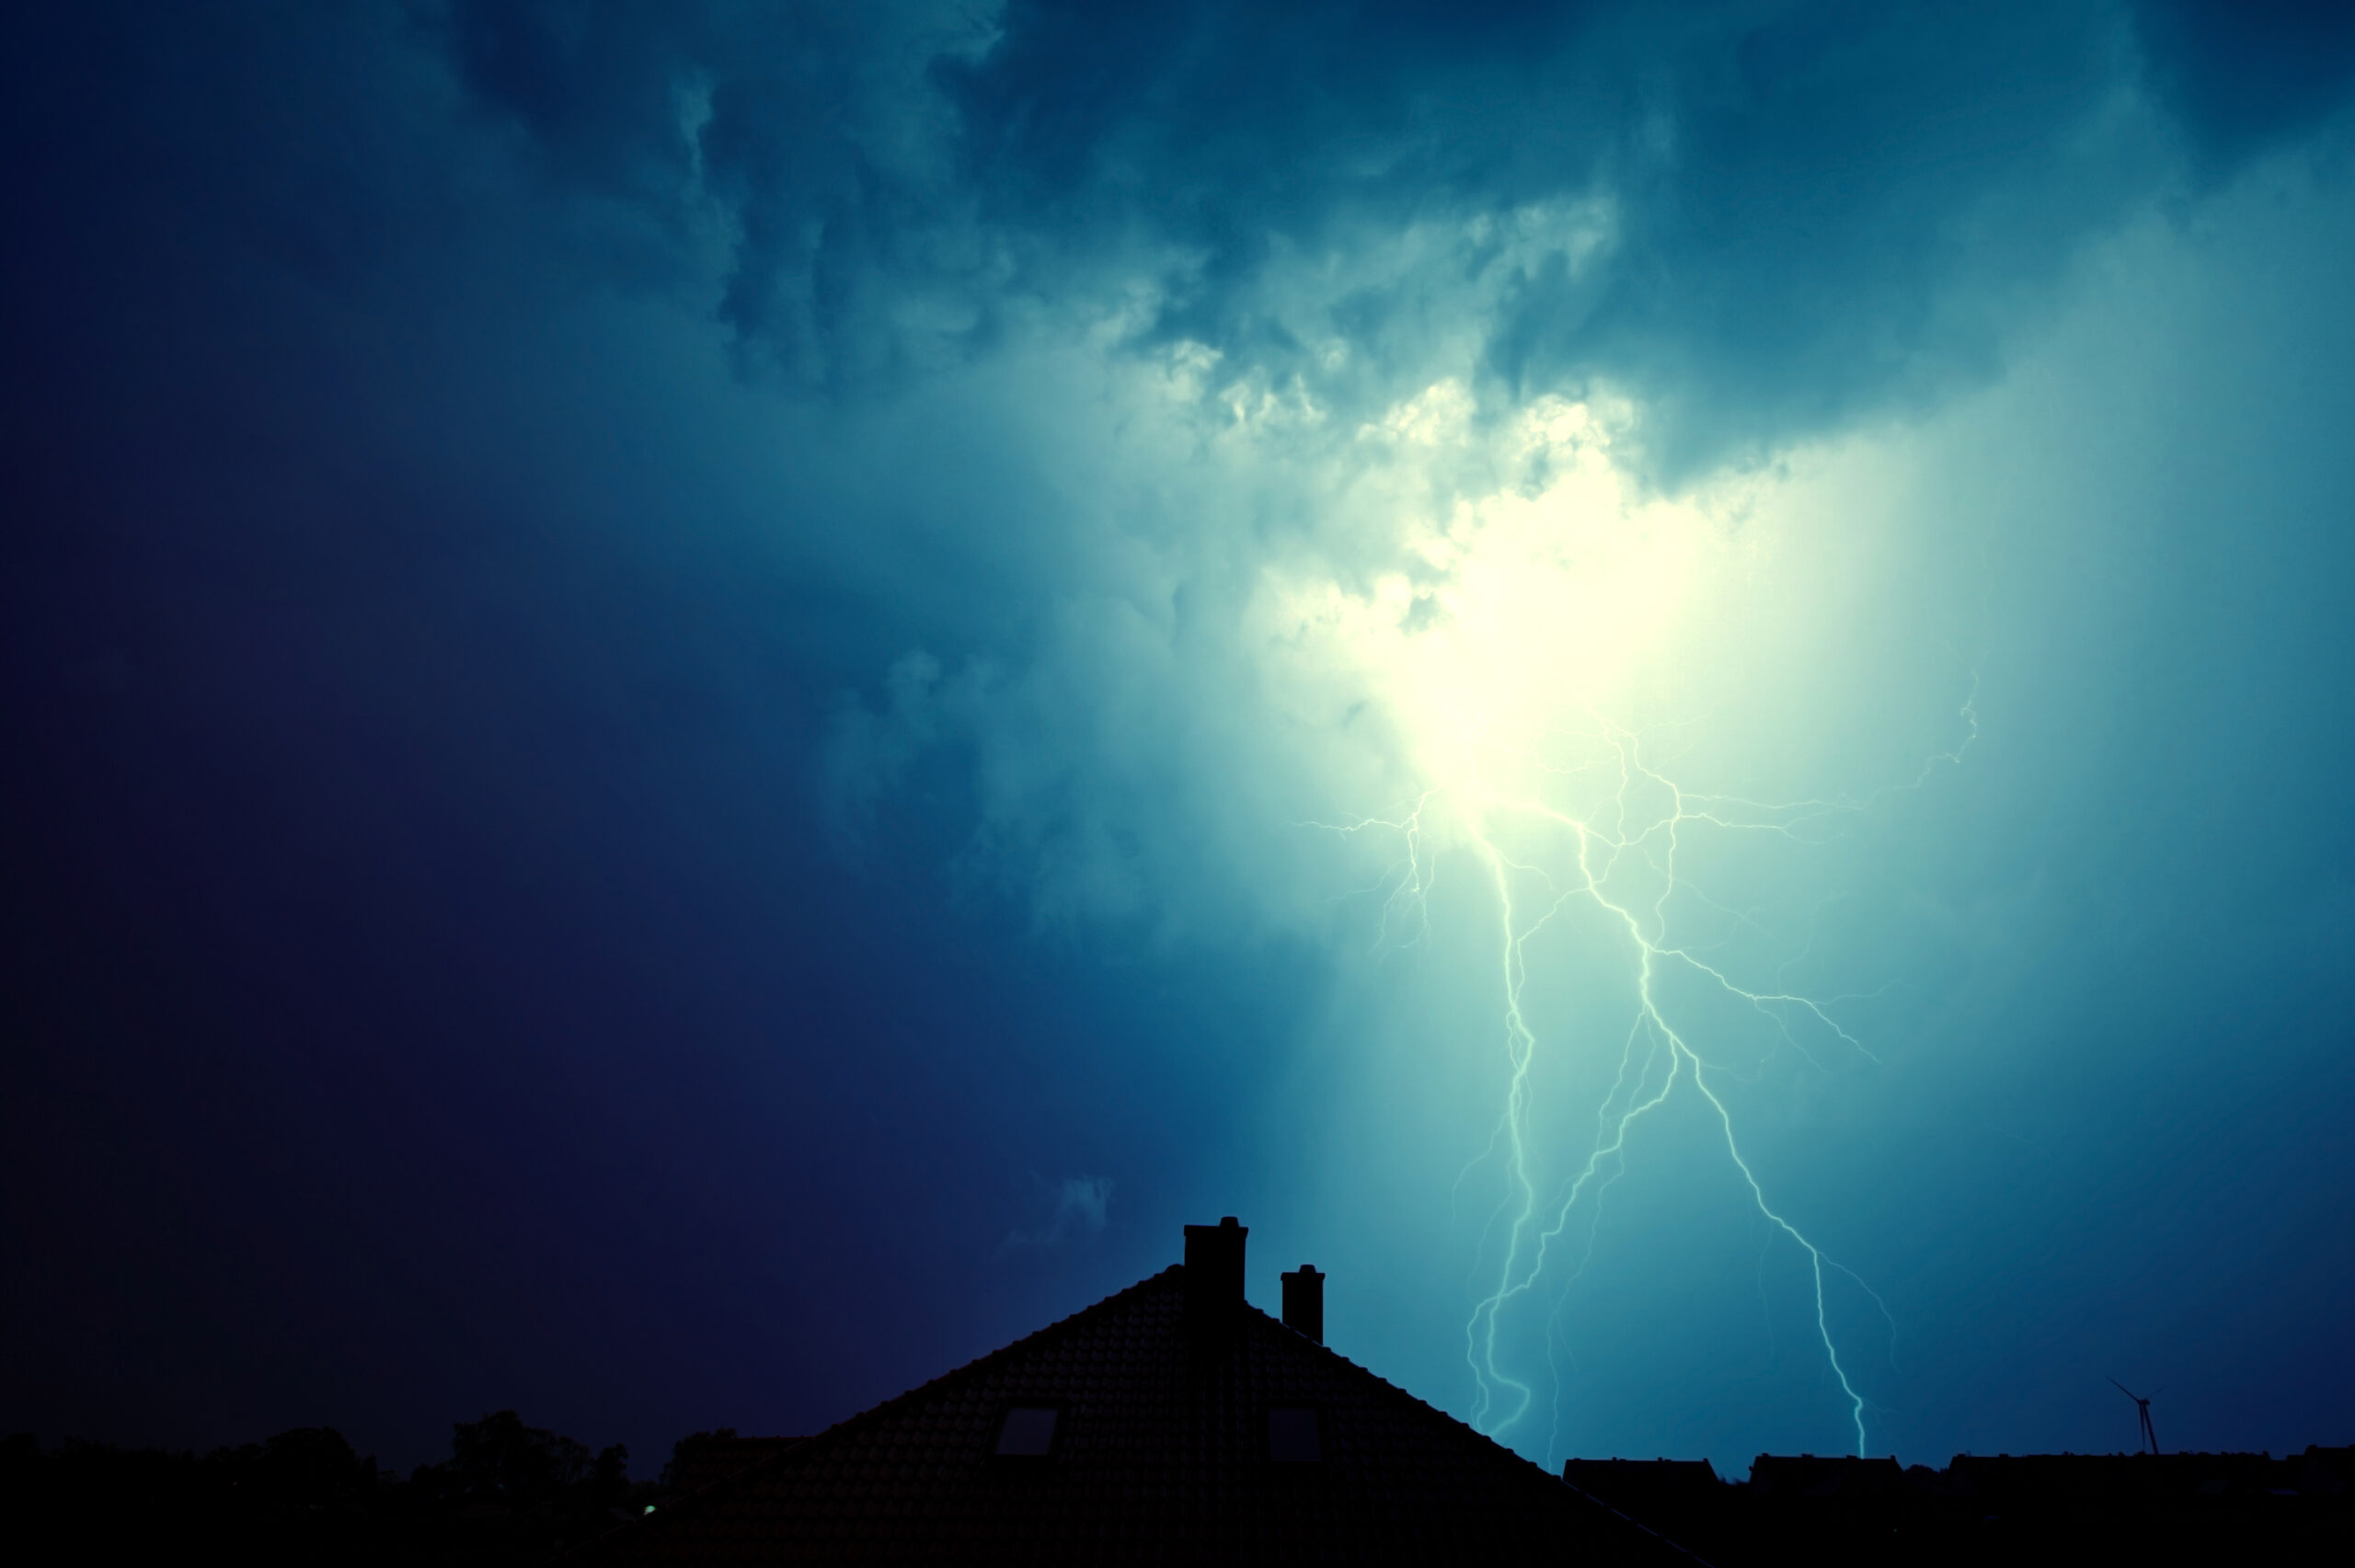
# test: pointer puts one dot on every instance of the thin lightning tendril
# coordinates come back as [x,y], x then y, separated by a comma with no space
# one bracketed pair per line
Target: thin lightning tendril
[1536,1223]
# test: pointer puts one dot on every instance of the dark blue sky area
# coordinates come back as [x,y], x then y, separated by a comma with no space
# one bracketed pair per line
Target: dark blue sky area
[643,778]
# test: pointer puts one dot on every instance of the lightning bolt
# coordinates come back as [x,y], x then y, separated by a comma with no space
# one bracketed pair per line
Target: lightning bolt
[1619,857]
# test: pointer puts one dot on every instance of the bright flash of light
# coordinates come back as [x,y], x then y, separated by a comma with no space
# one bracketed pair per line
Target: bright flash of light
[1507,656]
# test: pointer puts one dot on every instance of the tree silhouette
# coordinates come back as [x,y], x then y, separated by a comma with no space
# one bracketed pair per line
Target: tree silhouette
[498,1459]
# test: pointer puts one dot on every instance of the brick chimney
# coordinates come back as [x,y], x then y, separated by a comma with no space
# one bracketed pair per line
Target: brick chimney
[1214,1275]
[1304,1301]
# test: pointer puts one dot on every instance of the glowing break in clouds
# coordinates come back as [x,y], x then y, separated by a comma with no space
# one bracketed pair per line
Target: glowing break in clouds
[1512,653]
[1458,638]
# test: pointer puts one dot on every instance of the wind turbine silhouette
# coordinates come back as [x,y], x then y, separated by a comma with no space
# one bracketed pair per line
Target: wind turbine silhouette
[2142,1409]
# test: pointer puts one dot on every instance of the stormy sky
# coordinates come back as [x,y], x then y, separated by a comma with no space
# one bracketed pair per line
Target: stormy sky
[708,704]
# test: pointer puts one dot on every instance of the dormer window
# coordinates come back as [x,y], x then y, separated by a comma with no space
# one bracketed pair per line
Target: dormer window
[1028,1431]
[1293,1436]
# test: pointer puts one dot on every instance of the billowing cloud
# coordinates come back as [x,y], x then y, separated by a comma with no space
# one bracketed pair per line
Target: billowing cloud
[1605,547]
[1472,498]
[1758,220]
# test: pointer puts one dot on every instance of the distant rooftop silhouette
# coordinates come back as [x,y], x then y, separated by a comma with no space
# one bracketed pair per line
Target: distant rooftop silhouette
[1169,1423]
[1833,1510]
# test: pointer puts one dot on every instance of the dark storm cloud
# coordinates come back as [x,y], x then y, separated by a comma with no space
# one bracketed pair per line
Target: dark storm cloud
[2244,76]
[1794,190]
[813,127]
[1814,210]
[424,652]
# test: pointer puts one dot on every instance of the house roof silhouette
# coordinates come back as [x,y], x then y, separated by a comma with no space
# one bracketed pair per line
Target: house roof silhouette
[1169,1423]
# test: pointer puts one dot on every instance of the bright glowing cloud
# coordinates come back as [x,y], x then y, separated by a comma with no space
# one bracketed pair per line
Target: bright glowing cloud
[1599,660]
[1507,655]
[1508,614]
[1545,543]
[1476,645]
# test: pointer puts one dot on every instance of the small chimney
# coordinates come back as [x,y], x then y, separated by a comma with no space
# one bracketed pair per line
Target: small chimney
[1214,1274]
[1304,1301]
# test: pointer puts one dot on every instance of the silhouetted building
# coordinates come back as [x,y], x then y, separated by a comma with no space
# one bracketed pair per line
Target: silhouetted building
[1684,1489]
[1833,1478]
[1169,1423]
[1646,1491]
[2144,1508]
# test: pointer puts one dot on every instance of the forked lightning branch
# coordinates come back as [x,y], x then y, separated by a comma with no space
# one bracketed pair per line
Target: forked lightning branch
[1582,821]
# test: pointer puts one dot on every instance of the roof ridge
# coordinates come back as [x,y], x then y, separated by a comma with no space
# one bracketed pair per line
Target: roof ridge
[817,1441]
[1464,1428]
[973,1368]
[900,1462]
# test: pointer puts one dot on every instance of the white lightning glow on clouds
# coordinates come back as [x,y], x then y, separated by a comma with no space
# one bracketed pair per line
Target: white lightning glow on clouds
[1507,654]
[1451,638]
